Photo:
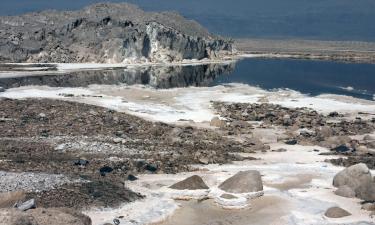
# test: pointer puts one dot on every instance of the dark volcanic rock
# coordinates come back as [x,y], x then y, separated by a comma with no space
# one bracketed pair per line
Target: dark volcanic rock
[291,142]
[105,32]
[341,148]
[192,183]
[131,177]
[105,169]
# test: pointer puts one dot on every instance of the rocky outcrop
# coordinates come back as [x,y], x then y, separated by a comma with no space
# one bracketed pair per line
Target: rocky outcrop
[106,33]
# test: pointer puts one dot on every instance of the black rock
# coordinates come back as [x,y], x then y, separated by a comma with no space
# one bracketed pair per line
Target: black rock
[81,162]
[140,163]
[44,133]
[131,177]
[2,89]
[105,169]
[291,142]
[116,221]
[341,148]
[333,114]
[151,167]
[305,134]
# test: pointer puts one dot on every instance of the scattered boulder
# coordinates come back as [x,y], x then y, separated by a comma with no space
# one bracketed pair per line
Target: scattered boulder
[203,160]
[333,114]
[291,142]
[42,115]
[116,221]
[362,149]
[81,162]
[117,140]
[131,177]
[336,212]
[243,182]
[333,142]
[369,138]
[287,121]
[345,191]
[341,149]
[105,169]
[359,179]
[217,122]
[325,131]
[151,167]
[368,206]
[191,183]
[30,204]
[265,135]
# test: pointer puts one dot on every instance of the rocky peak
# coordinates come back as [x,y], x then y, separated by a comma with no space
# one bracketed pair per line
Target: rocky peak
[106,33]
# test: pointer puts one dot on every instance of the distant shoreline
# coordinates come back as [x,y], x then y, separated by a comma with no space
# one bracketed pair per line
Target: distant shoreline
[344,51]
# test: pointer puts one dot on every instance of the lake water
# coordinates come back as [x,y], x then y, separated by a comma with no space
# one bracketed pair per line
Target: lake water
[305,19]
[305,76]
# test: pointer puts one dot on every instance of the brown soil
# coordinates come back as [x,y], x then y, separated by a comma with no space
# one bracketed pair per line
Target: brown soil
[33,130]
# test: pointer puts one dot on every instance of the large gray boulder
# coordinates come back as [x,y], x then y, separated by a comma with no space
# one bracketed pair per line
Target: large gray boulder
[243,182]
[359,179]
[191,183]
[336,212]
[345,191]
[105,33]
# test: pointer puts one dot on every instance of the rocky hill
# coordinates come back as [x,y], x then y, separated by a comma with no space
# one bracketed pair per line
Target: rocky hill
[106,33]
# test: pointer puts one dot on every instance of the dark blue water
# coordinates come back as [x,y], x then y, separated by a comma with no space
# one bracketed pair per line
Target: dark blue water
[306,76]
[306,19]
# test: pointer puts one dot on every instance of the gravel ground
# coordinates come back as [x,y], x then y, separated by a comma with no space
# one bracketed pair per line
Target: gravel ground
[31,182]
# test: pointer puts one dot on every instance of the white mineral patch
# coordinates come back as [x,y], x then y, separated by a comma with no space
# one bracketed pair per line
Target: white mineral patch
[304,201]
[191,103]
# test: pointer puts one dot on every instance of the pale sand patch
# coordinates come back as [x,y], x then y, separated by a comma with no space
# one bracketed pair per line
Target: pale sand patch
[8,199]
[264,210]
[299,181]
